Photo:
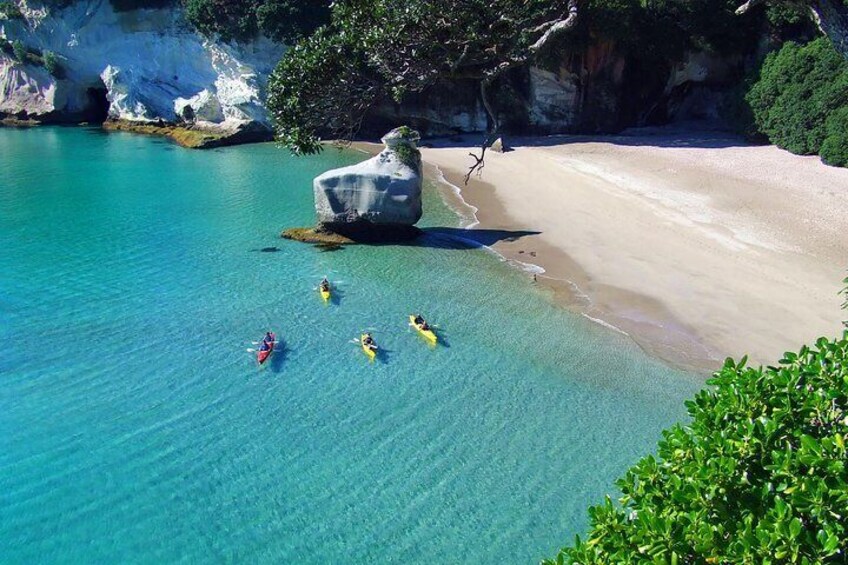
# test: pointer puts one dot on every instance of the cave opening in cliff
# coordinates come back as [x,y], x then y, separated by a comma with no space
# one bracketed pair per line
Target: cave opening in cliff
[98,105]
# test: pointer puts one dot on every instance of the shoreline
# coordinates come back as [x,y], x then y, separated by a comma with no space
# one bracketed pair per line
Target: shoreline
[564,279]
[695,244]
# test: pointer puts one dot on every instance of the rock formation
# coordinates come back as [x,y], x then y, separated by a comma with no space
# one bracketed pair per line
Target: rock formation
[143,67]
[382,191]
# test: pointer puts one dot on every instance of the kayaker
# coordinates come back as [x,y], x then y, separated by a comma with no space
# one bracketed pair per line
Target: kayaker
[419,321]
[268,339]
[265,346]
[325,284]
[368,341]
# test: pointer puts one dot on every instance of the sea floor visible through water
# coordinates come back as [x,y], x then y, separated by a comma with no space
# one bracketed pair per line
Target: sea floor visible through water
[135,425]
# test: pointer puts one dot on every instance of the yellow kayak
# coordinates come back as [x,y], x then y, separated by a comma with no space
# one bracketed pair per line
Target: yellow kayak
[325,293]
[370,350]
[429,335]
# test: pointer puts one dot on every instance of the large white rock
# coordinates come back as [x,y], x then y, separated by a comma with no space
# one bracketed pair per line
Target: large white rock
[383,190]
[151,63]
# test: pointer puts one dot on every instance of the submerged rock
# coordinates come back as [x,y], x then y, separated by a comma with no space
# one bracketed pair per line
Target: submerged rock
[379,194]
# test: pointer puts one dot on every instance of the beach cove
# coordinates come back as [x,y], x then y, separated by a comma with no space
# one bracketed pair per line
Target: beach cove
[696,244]
[136,274]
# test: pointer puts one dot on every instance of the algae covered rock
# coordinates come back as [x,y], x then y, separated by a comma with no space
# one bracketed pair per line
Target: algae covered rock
[384,191]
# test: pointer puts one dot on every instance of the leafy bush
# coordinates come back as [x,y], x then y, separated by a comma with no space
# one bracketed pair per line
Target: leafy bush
[834,150]
[287,21]
[128,5]
[19,50]
[242,20]
[798,88]
[10,11]
[759,476]
[51,63]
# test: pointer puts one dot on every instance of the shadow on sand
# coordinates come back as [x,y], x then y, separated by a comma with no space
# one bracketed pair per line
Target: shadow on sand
[686,134]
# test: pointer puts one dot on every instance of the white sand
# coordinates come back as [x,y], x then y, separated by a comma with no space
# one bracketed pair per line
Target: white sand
[695,244]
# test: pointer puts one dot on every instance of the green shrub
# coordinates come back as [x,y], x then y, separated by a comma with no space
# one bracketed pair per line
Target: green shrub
[759,476]
[287,21]
[834,150]
[51,63]
[798,88]
[128,5]
[242,20]
[19,50]
[10,11]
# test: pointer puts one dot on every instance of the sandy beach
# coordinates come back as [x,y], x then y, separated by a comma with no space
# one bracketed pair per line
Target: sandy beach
[696,244]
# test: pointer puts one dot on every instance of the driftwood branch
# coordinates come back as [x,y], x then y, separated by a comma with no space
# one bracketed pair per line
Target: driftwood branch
[480,162]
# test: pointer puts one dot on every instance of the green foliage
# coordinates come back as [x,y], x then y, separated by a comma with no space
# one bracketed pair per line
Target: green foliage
[287,21]
[10,11]
[844,293]
[301,105]
[798,89]
[404,46]
[409,154]
[128,5]
[834,149]
[281,20]
[51,63]
[759,476]
[19,50]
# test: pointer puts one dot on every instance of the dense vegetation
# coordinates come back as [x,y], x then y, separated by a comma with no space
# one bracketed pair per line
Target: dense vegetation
[759,476]
[378,49]
[9,10]
[799,100]
[281,20]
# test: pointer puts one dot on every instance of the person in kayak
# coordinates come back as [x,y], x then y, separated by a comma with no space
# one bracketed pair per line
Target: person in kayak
[419,321]
[368,341]
[325,285]
[265,346]
[268,340]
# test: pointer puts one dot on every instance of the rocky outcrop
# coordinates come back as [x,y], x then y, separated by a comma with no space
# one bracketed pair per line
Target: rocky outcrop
[145,67]
[384,191]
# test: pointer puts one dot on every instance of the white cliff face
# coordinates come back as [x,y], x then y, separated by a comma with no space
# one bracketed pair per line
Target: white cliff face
[383,190]
[151,63]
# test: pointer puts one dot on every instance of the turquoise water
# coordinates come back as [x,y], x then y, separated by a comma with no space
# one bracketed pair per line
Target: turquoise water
[135,426]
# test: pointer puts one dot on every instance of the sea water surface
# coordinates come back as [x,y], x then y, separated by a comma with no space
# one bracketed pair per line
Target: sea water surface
[135,426]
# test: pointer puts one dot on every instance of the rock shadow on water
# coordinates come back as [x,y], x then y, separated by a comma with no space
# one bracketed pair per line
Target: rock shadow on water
[336,238]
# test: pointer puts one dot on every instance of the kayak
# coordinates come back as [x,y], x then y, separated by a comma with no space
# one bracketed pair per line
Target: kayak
[262,356]
[370,350]
[429,335]
[325,293]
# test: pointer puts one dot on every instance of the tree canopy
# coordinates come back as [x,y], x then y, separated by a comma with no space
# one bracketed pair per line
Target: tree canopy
[799,100]
[759,476]
[388,48]
[282,20]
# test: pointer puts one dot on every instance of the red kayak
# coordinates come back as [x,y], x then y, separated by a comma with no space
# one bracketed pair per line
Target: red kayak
[263,354]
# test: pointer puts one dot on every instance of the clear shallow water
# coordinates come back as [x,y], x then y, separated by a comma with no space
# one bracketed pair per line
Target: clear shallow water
[135,427]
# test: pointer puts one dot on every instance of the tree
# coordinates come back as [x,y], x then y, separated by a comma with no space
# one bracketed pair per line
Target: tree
[389,48]
[831,16]
[759,476]
[372,48]
[243,20]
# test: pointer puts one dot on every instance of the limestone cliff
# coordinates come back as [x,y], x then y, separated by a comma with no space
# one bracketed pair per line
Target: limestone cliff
[144,67]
